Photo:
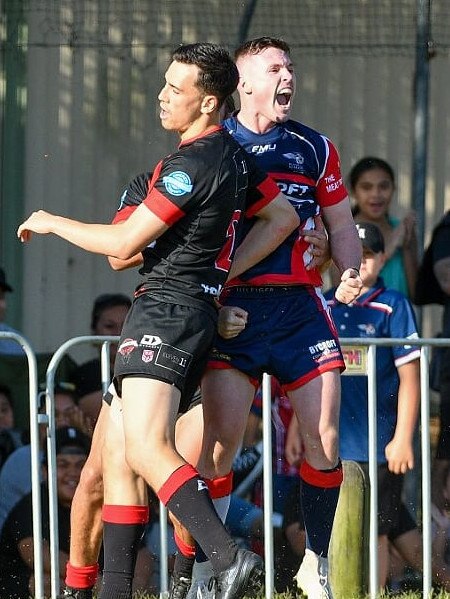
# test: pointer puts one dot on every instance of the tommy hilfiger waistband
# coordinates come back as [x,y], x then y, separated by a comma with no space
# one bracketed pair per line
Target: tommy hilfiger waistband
[265,289]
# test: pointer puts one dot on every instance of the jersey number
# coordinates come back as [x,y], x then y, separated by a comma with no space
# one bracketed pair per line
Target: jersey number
[224,258]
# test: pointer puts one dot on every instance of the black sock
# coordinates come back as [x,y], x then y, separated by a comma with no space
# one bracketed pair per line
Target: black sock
[187,497]
[320,494]
[120,544]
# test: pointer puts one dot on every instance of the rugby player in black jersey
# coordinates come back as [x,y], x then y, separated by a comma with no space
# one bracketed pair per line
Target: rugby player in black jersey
[191,219]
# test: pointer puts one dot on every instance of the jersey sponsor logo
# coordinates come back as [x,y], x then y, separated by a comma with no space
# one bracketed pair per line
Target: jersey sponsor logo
[178,183]
[332,184]
[262,148]
[323,347]
[297,158]
[126,348]
[150,340]
[210,290]
[148,355]
[293,189]
[173,358]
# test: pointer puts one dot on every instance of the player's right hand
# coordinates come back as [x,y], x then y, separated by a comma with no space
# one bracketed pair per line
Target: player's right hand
[350,286]
[231,322]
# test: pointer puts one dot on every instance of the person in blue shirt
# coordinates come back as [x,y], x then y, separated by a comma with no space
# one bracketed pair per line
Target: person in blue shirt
[376,313]
[381,312]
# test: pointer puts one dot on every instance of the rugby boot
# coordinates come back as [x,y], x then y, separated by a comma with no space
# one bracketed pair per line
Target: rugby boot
[70,593]
[312,576]
[179,586]
[245,577]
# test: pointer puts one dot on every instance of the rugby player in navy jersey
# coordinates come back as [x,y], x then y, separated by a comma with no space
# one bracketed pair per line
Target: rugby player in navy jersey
[188,225]
[279,321]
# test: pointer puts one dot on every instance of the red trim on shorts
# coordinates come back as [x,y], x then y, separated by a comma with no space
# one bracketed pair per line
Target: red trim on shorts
[176,480]
[81,577]
[309,376]
[321,478]
[125,514]
[220,486]
[184,548]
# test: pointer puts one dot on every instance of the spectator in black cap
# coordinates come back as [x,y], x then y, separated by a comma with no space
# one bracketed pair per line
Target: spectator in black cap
[108,314]
[16,541]
[7,346]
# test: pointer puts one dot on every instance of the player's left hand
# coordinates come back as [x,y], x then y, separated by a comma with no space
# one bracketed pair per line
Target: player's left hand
[399,455]
[350,286]
[37,222]
[319,247]
[231,322]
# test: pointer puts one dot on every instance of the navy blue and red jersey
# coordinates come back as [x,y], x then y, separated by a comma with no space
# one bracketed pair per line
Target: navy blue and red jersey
[305,164]
[201,192]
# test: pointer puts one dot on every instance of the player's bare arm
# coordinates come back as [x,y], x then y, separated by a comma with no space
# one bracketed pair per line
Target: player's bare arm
[346,249]
[274,223]
[141,228]
[117,264]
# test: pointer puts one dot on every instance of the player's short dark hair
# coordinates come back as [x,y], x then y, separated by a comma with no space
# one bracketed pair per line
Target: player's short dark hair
[105,301]
[369,163]
[218,74]
[259,44]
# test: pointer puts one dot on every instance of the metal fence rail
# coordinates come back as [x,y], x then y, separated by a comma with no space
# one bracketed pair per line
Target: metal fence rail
[372,344]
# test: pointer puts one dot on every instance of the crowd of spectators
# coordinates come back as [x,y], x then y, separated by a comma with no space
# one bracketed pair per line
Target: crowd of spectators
[393,282]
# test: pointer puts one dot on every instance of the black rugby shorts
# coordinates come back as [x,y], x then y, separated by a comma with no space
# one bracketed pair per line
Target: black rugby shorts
[165,341]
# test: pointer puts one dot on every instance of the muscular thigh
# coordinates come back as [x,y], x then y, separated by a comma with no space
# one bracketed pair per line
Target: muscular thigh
[166,342]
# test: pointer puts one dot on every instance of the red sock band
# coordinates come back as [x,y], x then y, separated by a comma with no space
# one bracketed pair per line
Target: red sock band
[125,514]
[321,478]
[220,486]
[81,577]
[184,548]
[175,481]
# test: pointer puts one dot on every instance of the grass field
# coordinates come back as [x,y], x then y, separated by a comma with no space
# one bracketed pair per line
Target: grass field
[410,595]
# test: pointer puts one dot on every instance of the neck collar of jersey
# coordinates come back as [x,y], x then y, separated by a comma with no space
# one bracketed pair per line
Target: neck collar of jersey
[212,129]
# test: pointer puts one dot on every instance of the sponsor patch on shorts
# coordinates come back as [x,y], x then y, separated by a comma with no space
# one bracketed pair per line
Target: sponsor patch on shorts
[173,358]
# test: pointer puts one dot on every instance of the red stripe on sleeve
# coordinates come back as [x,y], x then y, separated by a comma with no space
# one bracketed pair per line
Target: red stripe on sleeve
[175,481]
[269,190]
[220,486]
[125,514]
[162,207]
[320,478]
[123,214]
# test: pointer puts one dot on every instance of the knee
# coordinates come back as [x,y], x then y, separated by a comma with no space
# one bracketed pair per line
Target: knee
[91,481]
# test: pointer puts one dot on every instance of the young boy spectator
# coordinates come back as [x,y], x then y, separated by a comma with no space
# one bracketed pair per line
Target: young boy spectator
[16,539]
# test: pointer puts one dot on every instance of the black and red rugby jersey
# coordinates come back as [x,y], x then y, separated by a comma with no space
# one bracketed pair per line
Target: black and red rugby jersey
[201,191]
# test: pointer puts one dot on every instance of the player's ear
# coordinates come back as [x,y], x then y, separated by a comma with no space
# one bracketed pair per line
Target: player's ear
[209,104]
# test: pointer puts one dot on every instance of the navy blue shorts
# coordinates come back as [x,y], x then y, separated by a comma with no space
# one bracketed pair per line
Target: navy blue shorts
[289,333]
[167,342]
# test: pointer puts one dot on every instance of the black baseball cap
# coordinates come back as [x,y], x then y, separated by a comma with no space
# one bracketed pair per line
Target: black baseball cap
[71,440]
[371,237]
[3,283]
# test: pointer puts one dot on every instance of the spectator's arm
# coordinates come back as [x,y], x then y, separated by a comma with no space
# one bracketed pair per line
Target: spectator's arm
[399,451]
